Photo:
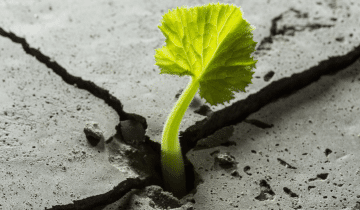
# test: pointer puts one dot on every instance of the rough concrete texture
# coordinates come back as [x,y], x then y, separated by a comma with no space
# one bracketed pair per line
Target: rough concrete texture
[151,197]
[90,55]
[46,158]
[112,43]
[44,151]
[308,158]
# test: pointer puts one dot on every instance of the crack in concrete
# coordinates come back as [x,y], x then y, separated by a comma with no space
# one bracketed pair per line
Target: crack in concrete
[231,115]
[107,198]
[282,88]
[290,30]
[90,86]
[122,188]
[287,165]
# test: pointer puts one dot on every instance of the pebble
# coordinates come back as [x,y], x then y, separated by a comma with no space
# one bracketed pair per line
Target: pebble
[93,130]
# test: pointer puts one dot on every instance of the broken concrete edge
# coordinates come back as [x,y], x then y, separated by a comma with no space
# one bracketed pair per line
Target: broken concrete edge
[118,192]
[146,161]
[238,111]
[97,91]
[148,147]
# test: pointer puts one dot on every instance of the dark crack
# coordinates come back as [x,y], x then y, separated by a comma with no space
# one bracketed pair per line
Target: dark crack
[230,115]
[284,87]
[125,186]
[280,26]
[287,165]
[240,110]
[90,86]
[106,198]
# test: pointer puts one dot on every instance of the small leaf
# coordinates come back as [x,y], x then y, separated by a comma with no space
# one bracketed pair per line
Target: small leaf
[211,43]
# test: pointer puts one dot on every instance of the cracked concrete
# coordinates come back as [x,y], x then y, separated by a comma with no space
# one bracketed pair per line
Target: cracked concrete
[105,53]
[44,151]
[309,159]
[95,46]
[45,156]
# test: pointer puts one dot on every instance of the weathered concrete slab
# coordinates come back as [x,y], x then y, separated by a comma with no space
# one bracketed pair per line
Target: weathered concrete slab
[45,158]
[308,158]
[112,43]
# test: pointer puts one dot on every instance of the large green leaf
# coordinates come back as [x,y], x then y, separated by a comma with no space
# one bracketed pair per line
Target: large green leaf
[211,43]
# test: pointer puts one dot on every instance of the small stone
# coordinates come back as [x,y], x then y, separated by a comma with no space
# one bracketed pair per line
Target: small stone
[225,159]
[93,130]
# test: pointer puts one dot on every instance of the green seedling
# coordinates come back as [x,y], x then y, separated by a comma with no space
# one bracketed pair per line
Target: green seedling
[212,44]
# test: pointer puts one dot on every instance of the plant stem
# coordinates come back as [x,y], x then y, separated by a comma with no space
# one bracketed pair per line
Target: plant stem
[171,158]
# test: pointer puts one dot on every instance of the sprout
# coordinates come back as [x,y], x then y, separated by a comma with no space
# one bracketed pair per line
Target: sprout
[212,44]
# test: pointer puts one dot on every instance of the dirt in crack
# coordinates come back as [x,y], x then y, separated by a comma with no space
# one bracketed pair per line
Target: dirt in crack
[143,155]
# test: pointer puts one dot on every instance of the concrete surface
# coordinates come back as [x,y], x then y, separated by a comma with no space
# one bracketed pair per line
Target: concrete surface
[307,159]
[101,53]
[46,158]
[44,152]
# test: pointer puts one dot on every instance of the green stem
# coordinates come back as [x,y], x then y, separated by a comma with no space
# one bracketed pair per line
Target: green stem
[171,158]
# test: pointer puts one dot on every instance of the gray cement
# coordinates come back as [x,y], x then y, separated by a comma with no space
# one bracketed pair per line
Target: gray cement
[82,109]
